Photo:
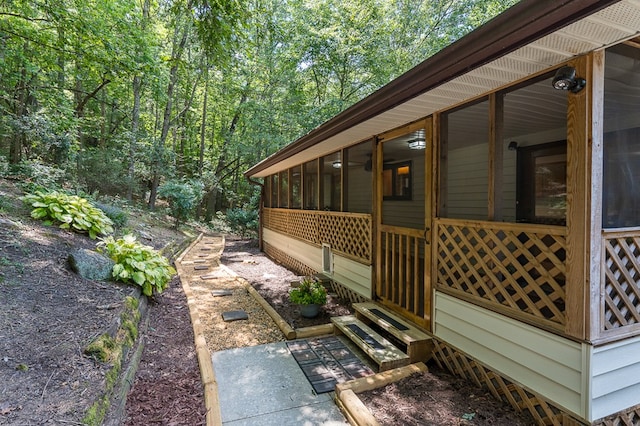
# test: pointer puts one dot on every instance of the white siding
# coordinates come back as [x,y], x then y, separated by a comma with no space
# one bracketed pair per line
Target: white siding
[351,274]
[467,180]
[615,379]
[359,190]
[306,253]
[543,362]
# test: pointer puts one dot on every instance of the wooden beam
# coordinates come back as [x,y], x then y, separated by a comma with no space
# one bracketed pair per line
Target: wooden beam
[595,81]
[496,154]
[578,204]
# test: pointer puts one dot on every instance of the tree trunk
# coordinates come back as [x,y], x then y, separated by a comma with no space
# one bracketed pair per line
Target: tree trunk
[212,201]
[166,119]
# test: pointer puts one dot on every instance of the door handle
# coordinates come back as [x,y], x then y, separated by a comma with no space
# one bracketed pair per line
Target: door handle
[426,230]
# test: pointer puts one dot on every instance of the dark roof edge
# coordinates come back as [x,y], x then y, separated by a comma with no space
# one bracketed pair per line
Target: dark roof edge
[519,25]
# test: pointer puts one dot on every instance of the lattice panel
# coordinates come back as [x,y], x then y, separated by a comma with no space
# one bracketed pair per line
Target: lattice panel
[520,399]
[303,225]
[630,417]
[621,281]
[276,219]
[349,234]
[517,267]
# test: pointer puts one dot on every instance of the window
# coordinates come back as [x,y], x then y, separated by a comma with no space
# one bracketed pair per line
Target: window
[274,191]
[464,177]
[542,184]
[332,182]
[296,180]
[621,142]
[396,181]
[284,189]
[310,192]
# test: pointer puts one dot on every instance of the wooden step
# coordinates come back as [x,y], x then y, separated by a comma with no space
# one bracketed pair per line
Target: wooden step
[419,343]
[377,347]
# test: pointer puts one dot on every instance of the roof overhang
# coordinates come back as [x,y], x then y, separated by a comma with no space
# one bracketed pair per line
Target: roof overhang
[530,37]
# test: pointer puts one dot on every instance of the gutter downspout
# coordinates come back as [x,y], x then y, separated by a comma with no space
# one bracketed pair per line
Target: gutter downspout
[260,208]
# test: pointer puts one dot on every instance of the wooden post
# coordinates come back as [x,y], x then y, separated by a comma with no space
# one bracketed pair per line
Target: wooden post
[578,205]
[595,81]
[496,153]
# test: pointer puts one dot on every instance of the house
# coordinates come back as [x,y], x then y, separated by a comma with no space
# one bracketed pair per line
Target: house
[491,197]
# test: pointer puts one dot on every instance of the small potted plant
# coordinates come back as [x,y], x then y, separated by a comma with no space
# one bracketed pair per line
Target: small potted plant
[310,295]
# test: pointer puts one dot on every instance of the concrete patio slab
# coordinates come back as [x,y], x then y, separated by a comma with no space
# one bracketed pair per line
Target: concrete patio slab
[263,385]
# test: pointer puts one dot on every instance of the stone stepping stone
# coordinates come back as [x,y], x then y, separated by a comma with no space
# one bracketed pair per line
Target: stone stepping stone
[234,316]
[209,277]
[199,261]
[205,249]
[203,255]
[220,293]
[201,267]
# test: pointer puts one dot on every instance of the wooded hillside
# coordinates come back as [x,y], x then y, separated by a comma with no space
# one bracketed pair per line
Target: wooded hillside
[121,97]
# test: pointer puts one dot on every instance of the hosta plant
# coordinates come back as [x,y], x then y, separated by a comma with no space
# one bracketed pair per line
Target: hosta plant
[70,211]
[137,263]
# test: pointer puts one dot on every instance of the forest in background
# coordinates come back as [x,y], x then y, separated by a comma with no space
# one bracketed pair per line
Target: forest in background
[145,99]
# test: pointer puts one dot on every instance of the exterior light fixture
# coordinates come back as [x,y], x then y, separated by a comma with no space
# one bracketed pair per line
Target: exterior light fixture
[417,144]
[336,164]
[565,79]
[513,146]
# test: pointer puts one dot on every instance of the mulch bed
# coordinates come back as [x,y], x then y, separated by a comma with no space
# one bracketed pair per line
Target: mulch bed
[273,282]
[437,398]
[167,389]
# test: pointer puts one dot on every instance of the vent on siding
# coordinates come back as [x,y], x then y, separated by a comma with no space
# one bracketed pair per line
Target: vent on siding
[327,259]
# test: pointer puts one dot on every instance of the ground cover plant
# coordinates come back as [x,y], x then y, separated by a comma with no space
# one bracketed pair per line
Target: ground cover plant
[137,263]
[69,212]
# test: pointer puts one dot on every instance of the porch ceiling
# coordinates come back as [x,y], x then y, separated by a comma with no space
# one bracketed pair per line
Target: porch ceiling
[454,76]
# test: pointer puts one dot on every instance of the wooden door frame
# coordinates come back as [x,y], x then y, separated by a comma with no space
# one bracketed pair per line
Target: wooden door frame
[425,124]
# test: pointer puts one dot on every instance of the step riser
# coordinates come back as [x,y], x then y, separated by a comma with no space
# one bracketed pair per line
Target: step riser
[378,348]
[419,344]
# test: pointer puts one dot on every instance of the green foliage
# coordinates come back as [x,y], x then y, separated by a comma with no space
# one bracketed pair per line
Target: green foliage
[71,211]
[102,170]
[37,175]
[137,263]
[243,221]
[309,292]
[183,197]
[118,216]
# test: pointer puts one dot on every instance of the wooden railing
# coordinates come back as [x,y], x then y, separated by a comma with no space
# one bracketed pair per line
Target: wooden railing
[347,233]
[517,269]
[620,286]
[401,272]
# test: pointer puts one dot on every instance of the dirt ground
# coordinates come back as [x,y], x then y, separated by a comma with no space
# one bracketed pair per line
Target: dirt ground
[48,315]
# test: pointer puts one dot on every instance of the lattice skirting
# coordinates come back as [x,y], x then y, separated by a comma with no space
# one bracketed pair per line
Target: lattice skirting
[300,268]
[347,294]
[520,399]
[627,418]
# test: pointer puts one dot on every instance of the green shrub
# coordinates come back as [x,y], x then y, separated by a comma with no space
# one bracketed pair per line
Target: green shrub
[183,198]
[243,221]
[71,211]
[309,292]
[118,216]
[137,263]
[102,170]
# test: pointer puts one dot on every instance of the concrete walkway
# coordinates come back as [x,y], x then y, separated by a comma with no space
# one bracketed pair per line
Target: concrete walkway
[263,385]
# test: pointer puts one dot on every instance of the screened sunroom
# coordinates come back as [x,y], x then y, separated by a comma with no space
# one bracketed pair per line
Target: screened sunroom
[489,196]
